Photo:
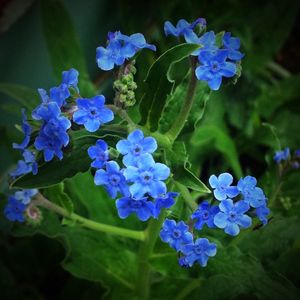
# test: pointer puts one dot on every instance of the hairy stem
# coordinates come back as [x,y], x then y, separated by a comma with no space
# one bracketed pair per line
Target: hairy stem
[179,122]
[186,195]
[84,222]
[146,249]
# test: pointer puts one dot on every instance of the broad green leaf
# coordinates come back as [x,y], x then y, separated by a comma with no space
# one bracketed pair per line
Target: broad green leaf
[57,195]
[63,44]
[26,97]
[219,140]
[159,83]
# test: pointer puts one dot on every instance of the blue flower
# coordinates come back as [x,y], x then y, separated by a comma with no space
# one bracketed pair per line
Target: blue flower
[51,145]
[59,94]
[232,44]
[14,210]
[46,111]
[147,177]
[221,186]
[164,201]
[253,195]
[205,215]
[25,166]
[213,66]
[207,42]
[142,208]
[25,196]
[99,153]
[120,47]
[282,155]
[113,180]
[91,113]
[135,146]
[175,234]
[183,28]
[262,213]
[70,78]
[297,153]
[231,216]
[27,131]
[200,252]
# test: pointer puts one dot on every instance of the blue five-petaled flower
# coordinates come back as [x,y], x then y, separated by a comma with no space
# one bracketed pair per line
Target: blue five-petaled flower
[205,215]
[232,215]
[99,153]
[92,113]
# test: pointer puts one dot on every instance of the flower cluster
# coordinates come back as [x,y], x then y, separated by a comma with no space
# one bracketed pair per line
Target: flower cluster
[285,157]
[140,183]
[17,205]
[215,61]
[237,205]
[55,114]
[120,48]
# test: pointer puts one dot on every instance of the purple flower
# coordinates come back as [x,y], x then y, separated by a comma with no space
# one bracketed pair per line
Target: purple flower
[135,146]
[231,216]
[142,208]
[222,186]
[14,210]
[213,66]
[99,153]
[200,252]
[232,44]
[91,113]
[147,177]
[113,180]
[175,234]
[205,215]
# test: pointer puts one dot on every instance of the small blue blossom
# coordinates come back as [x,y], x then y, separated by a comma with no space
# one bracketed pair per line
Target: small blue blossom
[253,195]
[99,153]
[27,132]
[25,196]
[282,155]
[147,177]
[200,252]
[182,261]
[135,146]
[205,215]
[222,186]
[207,42]
[59,94]
[46,111]
[120,47]
[113,180]
[175,234]
[164,201]
[262,213]
[213,66]
[142,208]
[14,210]
[91,113]
[183,28]
[25,166]
[232,44]
[231,216]
[70,78]
[297,153]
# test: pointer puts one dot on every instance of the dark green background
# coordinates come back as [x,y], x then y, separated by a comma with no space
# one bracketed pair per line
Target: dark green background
[268,91]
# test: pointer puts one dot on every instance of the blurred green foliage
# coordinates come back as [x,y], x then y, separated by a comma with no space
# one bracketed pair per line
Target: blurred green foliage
[227,130]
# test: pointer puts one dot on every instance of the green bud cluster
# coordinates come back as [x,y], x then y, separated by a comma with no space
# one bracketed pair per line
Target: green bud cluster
[125,87]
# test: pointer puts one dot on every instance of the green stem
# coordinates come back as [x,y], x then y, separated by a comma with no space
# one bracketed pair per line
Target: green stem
[188,289]
[146,249]
[123,115]
[84,222]
[186,107]
[186,195]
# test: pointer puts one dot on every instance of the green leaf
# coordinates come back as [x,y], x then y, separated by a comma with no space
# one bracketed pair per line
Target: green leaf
[159,83]
[63,44]
[221,141]
[25,96]
[57,195]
